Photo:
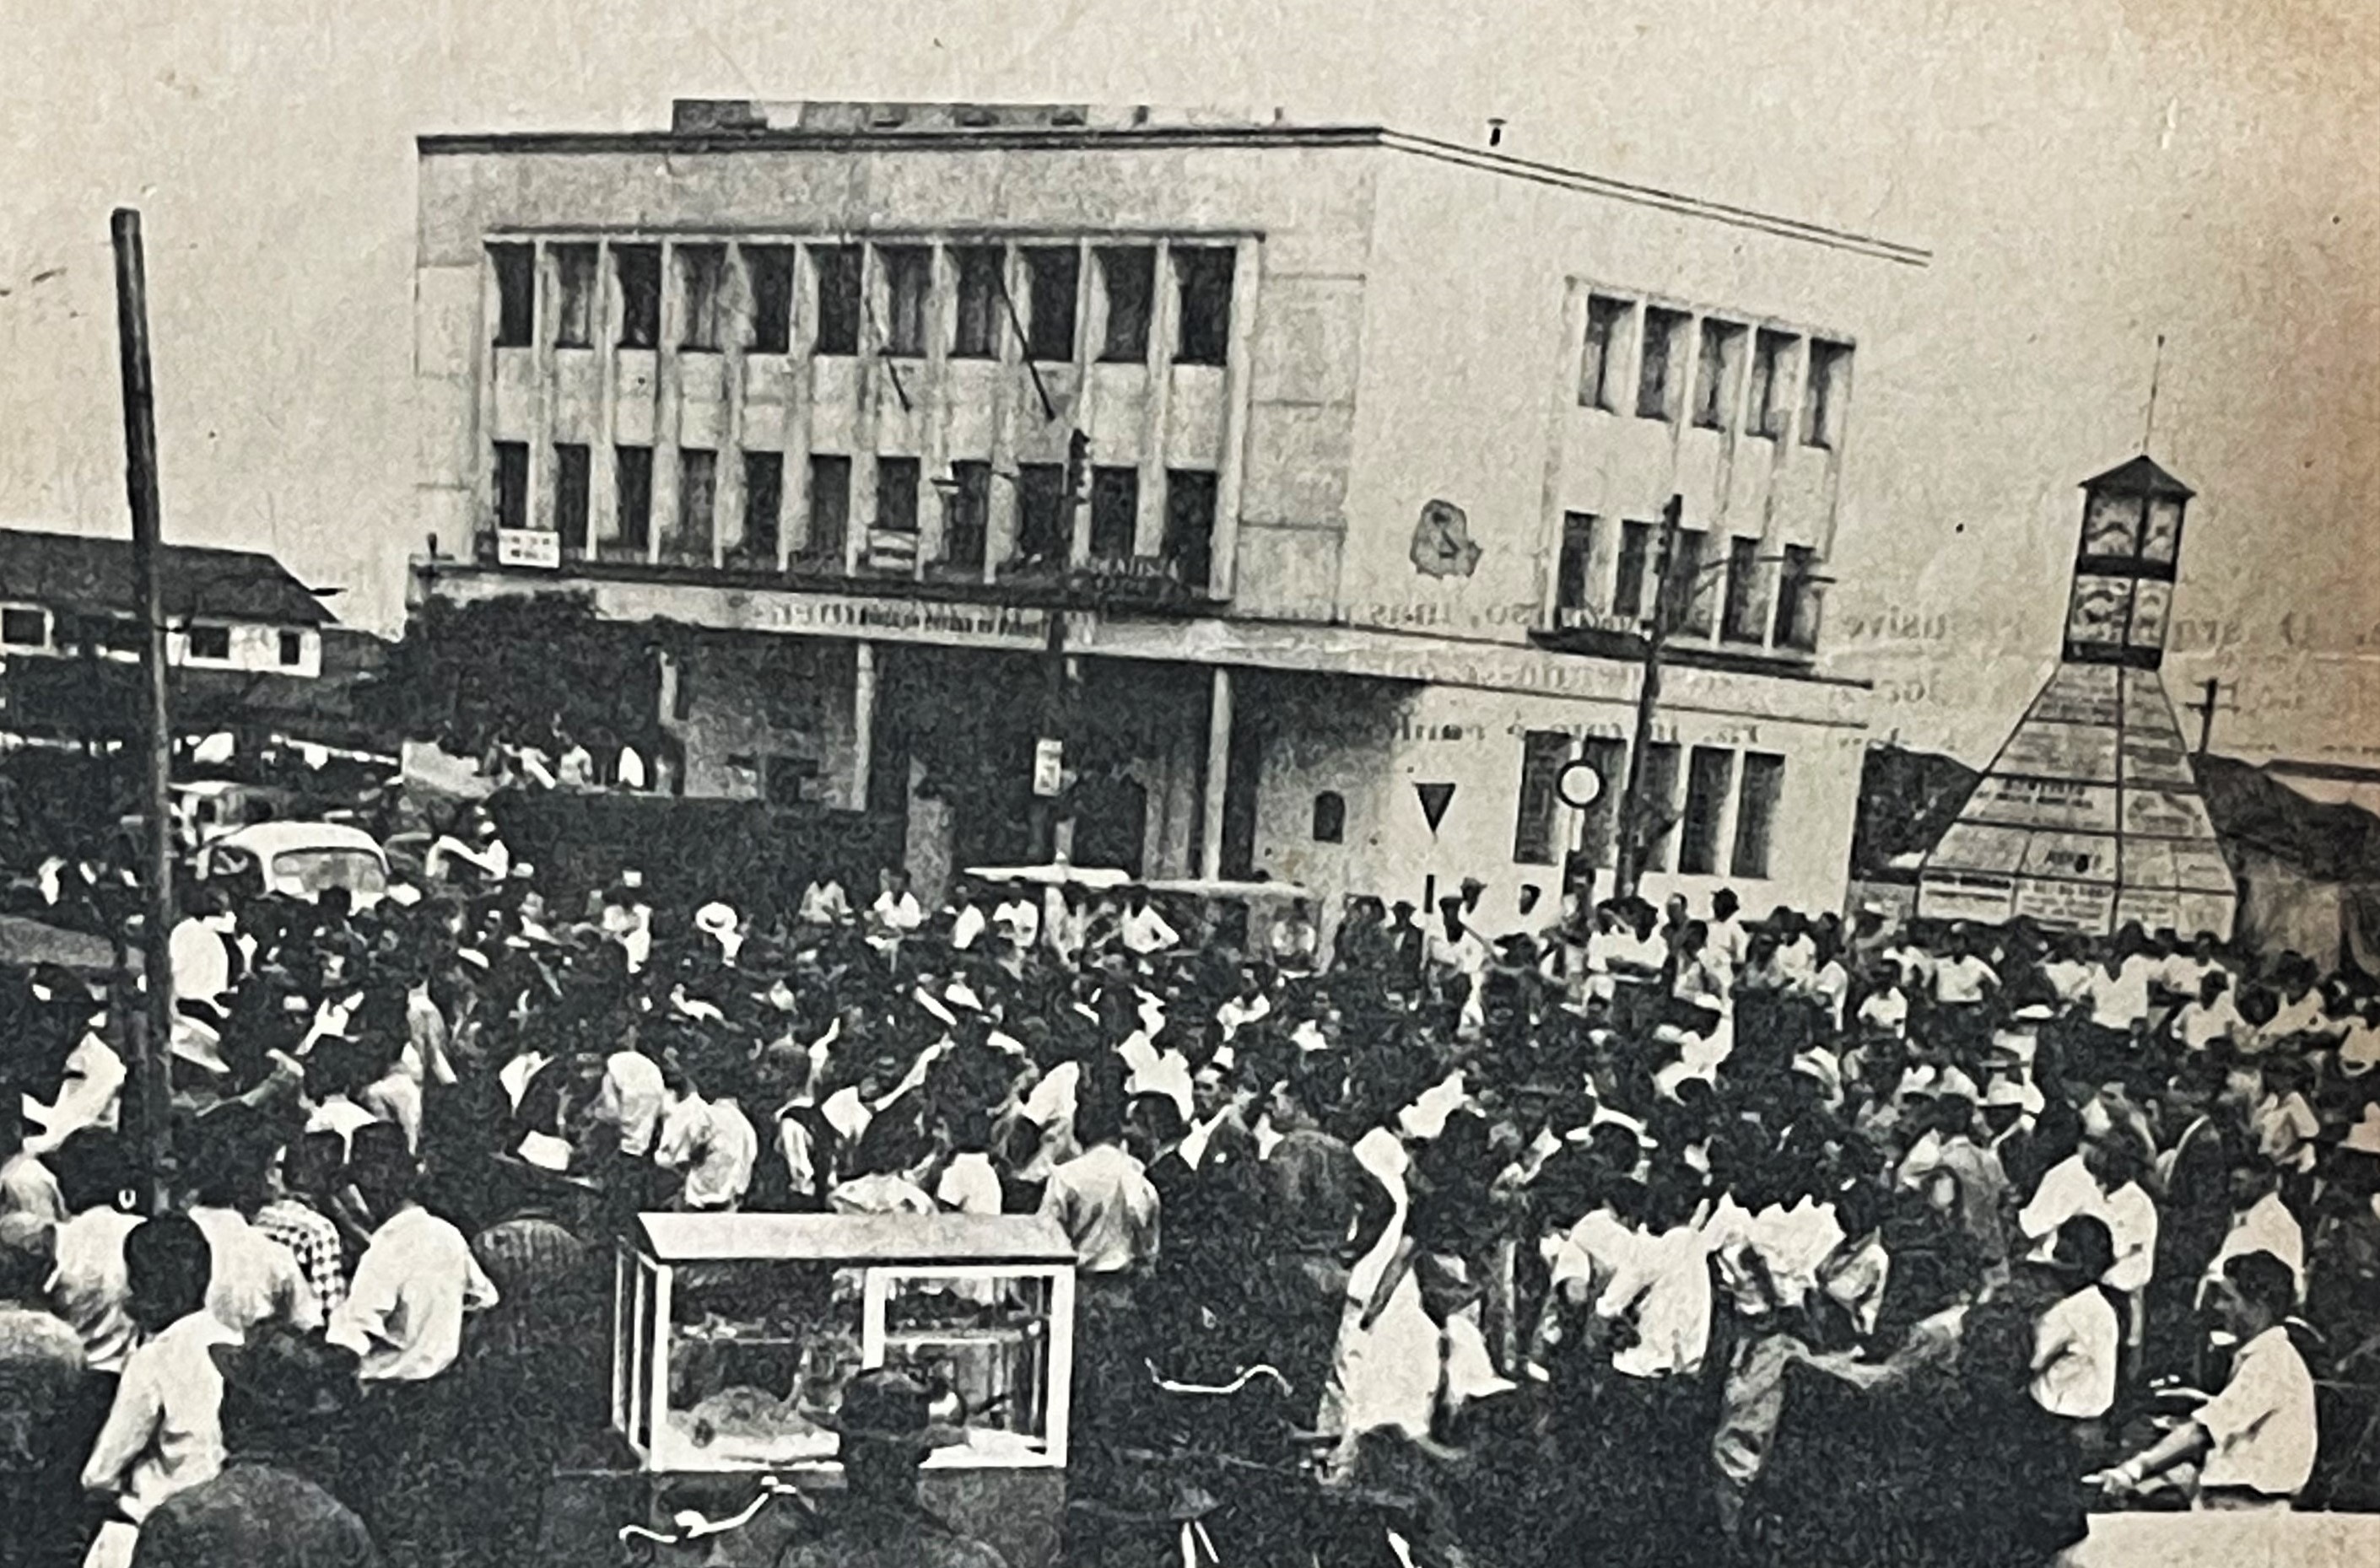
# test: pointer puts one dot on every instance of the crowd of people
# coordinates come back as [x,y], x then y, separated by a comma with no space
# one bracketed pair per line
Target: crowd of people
[1695,1236]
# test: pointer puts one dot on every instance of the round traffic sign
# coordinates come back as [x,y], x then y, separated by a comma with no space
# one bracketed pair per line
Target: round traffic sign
[1578,784]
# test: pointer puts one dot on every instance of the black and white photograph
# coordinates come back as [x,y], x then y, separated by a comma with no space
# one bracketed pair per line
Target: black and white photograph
[1586,784]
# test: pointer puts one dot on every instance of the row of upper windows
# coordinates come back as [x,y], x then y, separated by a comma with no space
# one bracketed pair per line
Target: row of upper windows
[1735,375]
[1742,596]
[747,293]
[29,628]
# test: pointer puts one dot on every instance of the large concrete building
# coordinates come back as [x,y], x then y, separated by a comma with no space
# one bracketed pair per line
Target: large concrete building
[1327,459]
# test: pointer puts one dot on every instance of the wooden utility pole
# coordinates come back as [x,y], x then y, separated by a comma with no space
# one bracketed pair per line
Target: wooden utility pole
[1633,834]
[153,1030]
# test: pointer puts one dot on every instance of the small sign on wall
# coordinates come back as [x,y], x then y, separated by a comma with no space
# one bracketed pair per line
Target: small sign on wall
[1048,767]
[528,547]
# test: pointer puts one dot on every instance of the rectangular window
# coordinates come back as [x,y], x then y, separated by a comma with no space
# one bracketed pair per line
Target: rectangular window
[1544,753]
[1599,371]
[1115,512]
[1045,526]
[1635,562]
[698,502]
[1766,411]
[1708,774]
[1694,606]
[966,514]
[1190,524]
[701,270]
[210,643]
[512,485]
[1204,273]
[638,268]
[576,280]
[1052,274]
[1715,382]
[291,649]
[982,307]
[829,508]
[1577,553]
[1657,379]
[1823,396]
[632,469]
[1128,276]
[896,494]
[515,270]
[1661,815]
[571,491]
[909,293]
[24,628]
[769,270]
[1745,616]
[764,494]
[1797,599]
[1755,811]
[1598,832]
[838,298]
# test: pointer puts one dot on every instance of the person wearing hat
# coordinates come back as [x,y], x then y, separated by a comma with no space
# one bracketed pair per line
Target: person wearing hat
[884,1430]
[270,1506]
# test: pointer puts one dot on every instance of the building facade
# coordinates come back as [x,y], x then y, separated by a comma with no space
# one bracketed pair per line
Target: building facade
[1302,481]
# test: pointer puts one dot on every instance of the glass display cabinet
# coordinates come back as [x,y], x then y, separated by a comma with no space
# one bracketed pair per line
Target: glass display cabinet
[733,1334]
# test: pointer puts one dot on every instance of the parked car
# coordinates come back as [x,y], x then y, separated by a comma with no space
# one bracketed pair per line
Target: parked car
[298,860]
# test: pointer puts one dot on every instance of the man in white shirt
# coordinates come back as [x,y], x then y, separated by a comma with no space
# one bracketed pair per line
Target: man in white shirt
[895,914]
[89,1283]
[2257,1440]
[710,1139]
[256,1280]
[2079,1339]
[967,919]
[1017,918]
[164,1434]
[201,949]
[1143,930]
[403,1312]
[2263,1222]
[1728,944]
[2210,1016]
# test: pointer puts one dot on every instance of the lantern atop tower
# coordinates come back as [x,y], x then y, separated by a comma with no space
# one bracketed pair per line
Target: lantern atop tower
[2124,566]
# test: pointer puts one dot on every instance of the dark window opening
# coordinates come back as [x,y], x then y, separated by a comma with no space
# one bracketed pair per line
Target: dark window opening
[1598,831]
[1655,369]
[1715,383]
[292,648]
[1205,274]
[633,473]
[1830,365]
[1743,617]
[896,494]
[1797,599]
[1755,811]
[698,504]
[769,269]
[1190,524]
[516,269]
[1635,560]
[1765,415]
[1660,794]
[829,508]
[638,268]
[764,493]
[1693,605]
[966,514]
[981,307]
[571,493]
[1708,774]
[211,641]
[1599,371]
[24,628]
[702,271]
[1129,276]
[1330,817]
[838,298]
[908,293]
[1577,555]
[1115,512]
[1052,276]
[1045,524]
[1544,755]
[576,277]
[512,485]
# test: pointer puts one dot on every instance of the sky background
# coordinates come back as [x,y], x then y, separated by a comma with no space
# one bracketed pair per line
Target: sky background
[2089,173]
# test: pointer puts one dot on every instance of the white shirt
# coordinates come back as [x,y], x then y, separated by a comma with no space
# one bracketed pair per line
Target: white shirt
[1019,921]
[968,927]
[713,1144]
[897,914]
[1885,1011]
[1103,1201]
[1237,1013]
[2075,1348]
[1663,1284]
[2067,1190]
[255,1279]
[202,963]
[2199,1024]
[343,1116]
[2268,1226]
[87,1097]
[968,1184]
[165,1432]
[823,904]
[1963,978]
[2262,1422]
[1145,931]
[404,1313]
[1148,1071]
[2120,1000]
[631,1099]
[89,1287]
[2131,1219]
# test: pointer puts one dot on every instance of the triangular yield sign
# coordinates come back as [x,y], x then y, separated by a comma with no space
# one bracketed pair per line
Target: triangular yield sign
[1435,799]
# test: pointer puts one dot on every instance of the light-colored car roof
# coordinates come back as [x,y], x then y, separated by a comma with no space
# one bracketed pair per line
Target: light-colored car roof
[266,839]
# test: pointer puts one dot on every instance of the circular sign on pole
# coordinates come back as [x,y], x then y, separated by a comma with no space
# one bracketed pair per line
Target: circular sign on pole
[1578,785]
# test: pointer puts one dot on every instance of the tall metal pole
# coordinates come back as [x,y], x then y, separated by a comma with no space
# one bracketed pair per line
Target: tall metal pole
[154,1027]
[1648,703]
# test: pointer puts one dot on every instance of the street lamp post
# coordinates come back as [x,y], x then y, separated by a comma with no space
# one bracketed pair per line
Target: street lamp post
[1648,701]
